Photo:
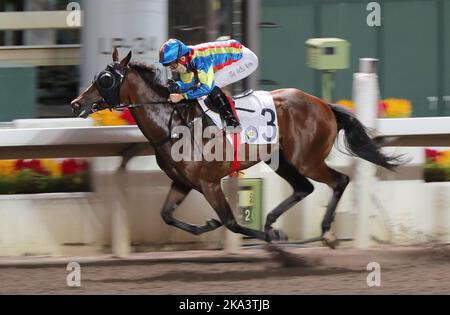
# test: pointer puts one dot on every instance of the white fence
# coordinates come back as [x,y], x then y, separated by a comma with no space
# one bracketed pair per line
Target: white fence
[120,191]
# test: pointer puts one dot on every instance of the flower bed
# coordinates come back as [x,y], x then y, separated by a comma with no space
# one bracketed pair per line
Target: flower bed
[48,176]
[387,108]
[437,165]
[44,176]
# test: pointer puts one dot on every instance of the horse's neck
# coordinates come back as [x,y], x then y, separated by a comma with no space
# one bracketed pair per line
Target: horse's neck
[153,120]
[157,122]
[191,111]
[156,119]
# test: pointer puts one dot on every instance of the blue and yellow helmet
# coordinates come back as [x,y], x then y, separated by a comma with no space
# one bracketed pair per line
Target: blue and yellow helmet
[172,50]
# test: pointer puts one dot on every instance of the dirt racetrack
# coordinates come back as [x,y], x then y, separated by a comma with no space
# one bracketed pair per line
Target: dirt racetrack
[404,270]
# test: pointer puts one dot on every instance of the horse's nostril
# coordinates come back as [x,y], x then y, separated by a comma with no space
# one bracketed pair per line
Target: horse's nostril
[76,105]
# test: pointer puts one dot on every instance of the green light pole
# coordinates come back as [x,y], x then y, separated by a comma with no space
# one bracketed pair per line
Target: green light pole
[327,85]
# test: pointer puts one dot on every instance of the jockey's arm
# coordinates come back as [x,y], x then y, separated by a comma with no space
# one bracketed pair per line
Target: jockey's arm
[185,86]
[205,72]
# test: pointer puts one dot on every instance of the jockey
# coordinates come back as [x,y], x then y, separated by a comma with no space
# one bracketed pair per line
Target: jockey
[205,68]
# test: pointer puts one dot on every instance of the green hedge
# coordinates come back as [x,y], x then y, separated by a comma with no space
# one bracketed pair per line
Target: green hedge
[433,173]
[30,182]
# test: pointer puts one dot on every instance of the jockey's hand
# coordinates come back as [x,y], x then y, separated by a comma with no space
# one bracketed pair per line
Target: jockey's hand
[175,98]
[173,86]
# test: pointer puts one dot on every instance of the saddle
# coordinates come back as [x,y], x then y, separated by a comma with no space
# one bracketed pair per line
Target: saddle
[210,103]
[257,116]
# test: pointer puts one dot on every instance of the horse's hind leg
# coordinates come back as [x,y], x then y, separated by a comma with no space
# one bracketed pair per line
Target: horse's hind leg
[176,195]
[338,182]
[302,188]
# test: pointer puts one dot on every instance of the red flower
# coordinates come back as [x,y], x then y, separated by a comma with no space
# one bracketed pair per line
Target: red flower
[72,166]
[34,165]
[432,154]
[126,115]
[382,106]
[82,165]
[20,164]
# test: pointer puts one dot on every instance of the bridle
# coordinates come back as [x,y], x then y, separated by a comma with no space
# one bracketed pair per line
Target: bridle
[108,83]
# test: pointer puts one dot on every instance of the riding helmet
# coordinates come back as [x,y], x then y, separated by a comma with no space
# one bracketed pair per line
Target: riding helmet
[172,50]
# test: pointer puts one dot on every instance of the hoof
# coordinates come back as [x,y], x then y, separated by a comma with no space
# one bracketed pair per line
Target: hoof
[213,224]
[273,235]
[330,239]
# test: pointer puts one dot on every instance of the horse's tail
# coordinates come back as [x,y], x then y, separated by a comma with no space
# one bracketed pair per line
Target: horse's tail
[358,142]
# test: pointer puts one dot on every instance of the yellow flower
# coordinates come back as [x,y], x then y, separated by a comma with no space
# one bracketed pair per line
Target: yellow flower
[52,166]
[113,121]
[346,103]
[7,167]
[98,118]
[443,160]
[108,118]
[397,107]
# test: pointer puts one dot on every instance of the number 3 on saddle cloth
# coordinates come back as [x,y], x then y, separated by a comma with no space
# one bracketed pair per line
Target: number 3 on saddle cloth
[257,116]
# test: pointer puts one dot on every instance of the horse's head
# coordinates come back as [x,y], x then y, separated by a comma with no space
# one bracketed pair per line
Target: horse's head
[105,90]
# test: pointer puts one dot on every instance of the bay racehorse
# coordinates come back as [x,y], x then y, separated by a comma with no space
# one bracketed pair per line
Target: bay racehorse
[308,127]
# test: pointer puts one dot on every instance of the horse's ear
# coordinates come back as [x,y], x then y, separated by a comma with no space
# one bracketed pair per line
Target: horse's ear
[115,55]
[126,60]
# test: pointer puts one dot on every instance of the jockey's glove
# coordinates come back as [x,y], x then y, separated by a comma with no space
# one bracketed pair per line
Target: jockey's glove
[173,87]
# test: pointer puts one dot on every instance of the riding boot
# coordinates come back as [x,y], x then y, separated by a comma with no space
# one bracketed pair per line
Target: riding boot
[225,111]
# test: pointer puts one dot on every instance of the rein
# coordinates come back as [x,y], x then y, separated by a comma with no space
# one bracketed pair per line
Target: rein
[176,109]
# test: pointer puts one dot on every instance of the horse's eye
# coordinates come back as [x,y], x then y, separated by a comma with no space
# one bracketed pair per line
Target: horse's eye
[106,80]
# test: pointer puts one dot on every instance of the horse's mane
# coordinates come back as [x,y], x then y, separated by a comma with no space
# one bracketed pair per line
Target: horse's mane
[151,75]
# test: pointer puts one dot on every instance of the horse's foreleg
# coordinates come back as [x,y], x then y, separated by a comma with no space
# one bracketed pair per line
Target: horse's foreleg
[302,188]
[216,198]
[175,197]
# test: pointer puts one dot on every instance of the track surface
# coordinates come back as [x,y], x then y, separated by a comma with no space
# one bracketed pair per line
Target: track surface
[404,270]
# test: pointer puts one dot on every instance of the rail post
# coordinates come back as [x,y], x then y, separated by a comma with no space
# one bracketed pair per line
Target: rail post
[366,98]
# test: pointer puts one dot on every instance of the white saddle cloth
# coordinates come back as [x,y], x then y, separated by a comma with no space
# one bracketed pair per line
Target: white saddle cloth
[257,115]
